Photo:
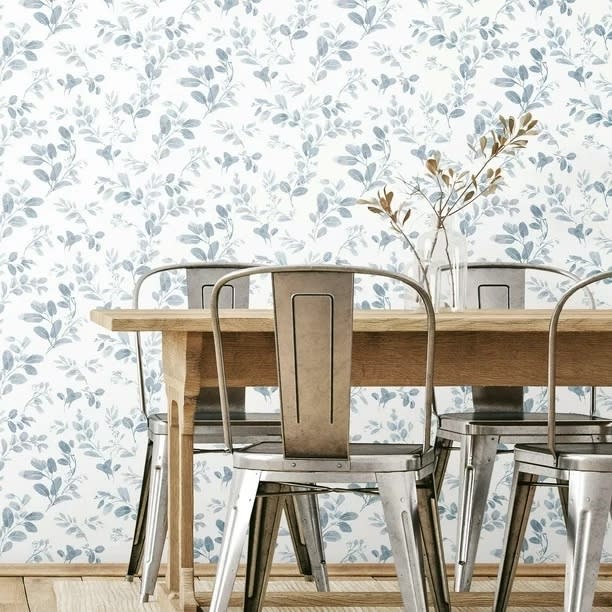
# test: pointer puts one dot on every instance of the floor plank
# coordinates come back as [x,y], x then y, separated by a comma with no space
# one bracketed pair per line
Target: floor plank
[290,595]
[13,595]
[95,594]
[40,593]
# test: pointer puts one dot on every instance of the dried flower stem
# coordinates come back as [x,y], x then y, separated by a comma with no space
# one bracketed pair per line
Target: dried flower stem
[456,190]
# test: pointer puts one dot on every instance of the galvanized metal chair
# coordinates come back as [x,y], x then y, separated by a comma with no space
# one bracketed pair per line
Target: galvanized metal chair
[586,468]
[313,307]
[152,517]
[498,417]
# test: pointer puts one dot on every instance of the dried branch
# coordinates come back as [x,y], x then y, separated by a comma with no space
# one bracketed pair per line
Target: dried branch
[456,189]
[459,189]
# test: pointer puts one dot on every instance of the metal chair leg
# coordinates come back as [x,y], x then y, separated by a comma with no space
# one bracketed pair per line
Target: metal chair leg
[241,500]
[521,498]
[308,516]
[429,519]
[590,494]
[263,530]
[141,518]
[563,498]
[477,461]
[299,545]
[399,501]
[157,517]
[152,526]
[443,451]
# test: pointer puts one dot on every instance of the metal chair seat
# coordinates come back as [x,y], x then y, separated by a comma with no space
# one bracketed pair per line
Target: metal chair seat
[362,458]
[518,424]
[583,457]
[209,430]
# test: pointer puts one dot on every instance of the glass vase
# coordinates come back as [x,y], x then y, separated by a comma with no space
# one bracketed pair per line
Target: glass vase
[443,265]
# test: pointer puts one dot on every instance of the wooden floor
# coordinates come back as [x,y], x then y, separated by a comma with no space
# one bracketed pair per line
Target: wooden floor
[367,591]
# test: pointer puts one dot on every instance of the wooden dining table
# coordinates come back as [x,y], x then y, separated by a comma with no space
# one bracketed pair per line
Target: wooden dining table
[484,347]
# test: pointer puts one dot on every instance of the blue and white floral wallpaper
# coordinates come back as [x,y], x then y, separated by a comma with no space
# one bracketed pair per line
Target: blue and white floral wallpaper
[139,132]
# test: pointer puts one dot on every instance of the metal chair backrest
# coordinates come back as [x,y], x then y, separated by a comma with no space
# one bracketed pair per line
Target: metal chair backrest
[313,311]
[493,285]
[200,279]
[313,314]
[552,352]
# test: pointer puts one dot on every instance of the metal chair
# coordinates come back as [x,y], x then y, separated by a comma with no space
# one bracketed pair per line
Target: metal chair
[586,468]
[498,417]
[313,307]
[152,517]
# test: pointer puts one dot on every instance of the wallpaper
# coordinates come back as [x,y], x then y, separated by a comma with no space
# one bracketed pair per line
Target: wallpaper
[140,132]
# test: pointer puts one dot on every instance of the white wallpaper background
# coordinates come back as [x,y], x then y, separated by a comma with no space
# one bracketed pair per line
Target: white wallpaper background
[134,133]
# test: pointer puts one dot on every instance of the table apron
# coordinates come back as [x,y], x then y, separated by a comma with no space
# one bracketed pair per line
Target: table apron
[462,358]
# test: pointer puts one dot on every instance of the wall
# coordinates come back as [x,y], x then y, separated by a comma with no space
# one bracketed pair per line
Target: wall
[134,133]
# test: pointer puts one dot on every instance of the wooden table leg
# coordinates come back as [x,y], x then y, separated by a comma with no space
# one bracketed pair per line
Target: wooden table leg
[185,518]
[181,360]
[173,551]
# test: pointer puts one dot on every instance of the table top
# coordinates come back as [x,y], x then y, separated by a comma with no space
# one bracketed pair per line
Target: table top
[262,320]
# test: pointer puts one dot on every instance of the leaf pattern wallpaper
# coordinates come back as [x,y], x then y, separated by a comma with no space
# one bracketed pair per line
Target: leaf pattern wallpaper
[140,132]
